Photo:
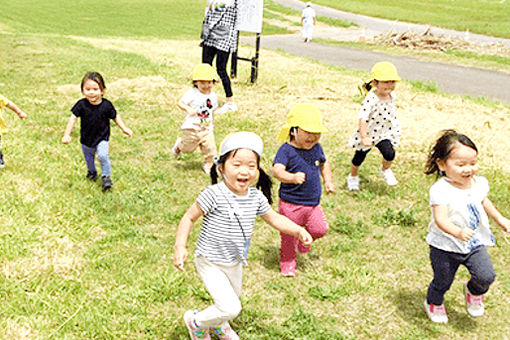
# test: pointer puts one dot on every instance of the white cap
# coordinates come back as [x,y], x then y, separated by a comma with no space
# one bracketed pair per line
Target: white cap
[242,140]
[308,4]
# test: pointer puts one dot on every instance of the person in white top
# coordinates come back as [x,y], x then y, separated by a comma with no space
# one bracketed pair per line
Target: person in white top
[459,229]
[199,103]
[378,124]
[308,19]
[228,210]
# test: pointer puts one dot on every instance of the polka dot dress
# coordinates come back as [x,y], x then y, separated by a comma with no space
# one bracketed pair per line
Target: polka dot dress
[382,122]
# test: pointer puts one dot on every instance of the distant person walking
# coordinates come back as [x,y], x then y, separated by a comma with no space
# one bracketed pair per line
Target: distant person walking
[219,39]
[308,20]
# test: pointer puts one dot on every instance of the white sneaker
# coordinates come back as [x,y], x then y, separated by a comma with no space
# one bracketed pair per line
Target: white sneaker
[227,107]
[225,332]
[194,332]
[388,176]
[352,182]
[436,313]
[474,303]
[175,149]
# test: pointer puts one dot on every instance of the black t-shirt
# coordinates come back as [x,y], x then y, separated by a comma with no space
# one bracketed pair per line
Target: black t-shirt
[94,121]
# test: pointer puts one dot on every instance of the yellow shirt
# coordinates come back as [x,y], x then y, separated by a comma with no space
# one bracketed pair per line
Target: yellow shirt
[3,104]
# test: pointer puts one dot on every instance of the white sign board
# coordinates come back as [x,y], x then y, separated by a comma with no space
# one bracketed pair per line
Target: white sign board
[249,15]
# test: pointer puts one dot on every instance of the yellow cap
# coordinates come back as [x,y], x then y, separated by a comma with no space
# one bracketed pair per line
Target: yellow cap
[204,72]
[305,116]
[384,71]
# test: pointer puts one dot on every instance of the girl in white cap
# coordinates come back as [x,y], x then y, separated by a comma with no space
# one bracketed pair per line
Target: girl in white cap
[228,209]
[378,123]
[299,164]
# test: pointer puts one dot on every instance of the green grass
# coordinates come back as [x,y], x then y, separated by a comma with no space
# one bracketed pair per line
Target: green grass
[486,17]
[79,264]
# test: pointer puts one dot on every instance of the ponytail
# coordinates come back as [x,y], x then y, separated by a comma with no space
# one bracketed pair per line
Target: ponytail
[264,184]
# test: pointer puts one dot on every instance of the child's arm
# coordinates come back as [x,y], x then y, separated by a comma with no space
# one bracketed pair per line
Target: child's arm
[327,177]
[286,226]
[365,139]
[122,126]
[443,222]
[287,177]
[16,110]
[189,110]
[183,230]
[493,213]
[66,139]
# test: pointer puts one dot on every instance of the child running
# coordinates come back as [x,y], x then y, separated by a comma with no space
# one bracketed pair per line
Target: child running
[378,124]
[298,164]
[4,102]
[95,113]
[228,209]
[199,103]
[459,229]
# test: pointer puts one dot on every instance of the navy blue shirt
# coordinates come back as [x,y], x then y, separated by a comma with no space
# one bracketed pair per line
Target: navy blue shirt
[301,160]
[94,121]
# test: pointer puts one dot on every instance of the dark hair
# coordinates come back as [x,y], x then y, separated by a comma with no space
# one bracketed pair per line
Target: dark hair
[367,86]
[95,76]
[292,132]
[194,82]
[264,183]
[443,148]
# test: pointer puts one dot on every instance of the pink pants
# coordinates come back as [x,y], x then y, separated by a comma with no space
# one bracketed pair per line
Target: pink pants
[312,218]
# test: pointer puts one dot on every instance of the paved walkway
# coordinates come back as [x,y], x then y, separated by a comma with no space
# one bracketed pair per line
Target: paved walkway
[461,80]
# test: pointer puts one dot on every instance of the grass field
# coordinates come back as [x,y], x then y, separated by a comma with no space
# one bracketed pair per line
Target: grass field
[79,264]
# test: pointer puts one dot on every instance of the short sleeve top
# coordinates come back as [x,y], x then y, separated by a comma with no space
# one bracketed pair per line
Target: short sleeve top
[94,121]
[204,105]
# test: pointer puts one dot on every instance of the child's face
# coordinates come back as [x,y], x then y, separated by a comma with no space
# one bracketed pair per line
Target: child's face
[240,171]
[460,166]
[92,91]
[204,86]
[384,88]
[304,139]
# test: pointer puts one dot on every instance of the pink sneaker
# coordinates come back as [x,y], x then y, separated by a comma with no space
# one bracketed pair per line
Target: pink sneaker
[225,332]
[288,269]
[474,303]
[195,332]
[436,313]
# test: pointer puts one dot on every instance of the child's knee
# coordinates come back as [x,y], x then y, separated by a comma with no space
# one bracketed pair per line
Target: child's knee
[231,311]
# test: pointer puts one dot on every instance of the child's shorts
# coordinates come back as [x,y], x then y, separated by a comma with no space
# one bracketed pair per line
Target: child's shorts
[191,139]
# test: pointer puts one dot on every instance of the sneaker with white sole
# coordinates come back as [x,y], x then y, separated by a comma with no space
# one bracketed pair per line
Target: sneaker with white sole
[352,182]
[227,107]
[195,332]
[175,149]
[225,332]
[436,313]
[388,177]
[474,303]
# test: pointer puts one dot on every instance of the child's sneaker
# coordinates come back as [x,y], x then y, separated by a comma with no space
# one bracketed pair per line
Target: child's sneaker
[388,176]
[227,107]
[352,182]
[195,332]
[2,164]
[288,269]
[436,313]
[175,149]
[92,175]
[225,332]
[474,303]
[106,183]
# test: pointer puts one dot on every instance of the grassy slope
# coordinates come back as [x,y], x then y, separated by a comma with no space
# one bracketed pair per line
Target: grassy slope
[76,263]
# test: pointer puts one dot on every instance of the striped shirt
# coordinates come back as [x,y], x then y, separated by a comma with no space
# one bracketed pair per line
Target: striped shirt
[227,225]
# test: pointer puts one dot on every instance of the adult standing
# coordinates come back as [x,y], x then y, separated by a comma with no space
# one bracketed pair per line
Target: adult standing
[219,39]
[308,20]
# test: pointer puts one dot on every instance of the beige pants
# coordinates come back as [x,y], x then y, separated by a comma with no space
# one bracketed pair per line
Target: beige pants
[191,139]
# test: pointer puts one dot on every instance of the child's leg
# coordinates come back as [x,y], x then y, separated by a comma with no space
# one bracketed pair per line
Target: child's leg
[90,155]
[387,151]
[482,272]
[208,148]
[359,157]
[315,224]
[444,265]
[189,140]
[224,284]
[288,242]
[103,154]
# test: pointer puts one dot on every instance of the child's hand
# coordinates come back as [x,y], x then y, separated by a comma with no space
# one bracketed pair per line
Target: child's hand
[192,112]
[180,256]
[504,223]
[299,178]
[66,139]
[464,234]
[329,187]
[366,141]
[128,132]
[305,237]
[22,115]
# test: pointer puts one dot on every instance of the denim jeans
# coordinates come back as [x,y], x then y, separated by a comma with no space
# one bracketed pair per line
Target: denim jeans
[103,155]
[445,265]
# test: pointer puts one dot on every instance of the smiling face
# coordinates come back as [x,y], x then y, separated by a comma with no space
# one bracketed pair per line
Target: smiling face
[460,166]
[304,139]
[92,91]
[240,170]
[383,89]
[204,86]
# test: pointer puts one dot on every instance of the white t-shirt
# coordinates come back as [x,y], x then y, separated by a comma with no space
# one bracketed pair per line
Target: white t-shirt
[465,210]
[308,14]
[228,222]
[204,104]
